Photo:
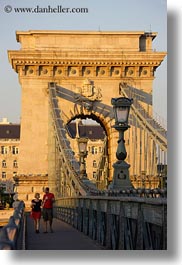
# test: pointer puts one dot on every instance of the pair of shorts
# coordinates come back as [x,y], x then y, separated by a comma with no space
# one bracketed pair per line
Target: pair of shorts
[47,214]
[36,215]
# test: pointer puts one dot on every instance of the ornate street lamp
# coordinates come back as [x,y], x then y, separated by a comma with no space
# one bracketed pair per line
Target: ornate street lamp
[121,108]
[82,147]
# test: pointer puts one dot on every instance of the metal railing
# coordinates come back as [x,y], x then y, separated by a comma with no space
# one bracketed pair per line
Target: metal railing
[12,235]
[120,222]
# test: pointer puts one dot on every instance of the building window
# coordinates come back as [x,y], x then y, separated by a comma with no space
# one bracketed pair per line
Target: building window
[14,174]
[94,175]
[94,163]
[15,164]
[4,163]
[3,175]
[4,150]
[14,150]
[100,149]
[94,150]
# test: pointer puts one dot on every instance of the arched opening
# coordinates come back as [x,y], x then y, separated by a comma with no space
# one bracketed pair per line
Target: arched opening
[97,159]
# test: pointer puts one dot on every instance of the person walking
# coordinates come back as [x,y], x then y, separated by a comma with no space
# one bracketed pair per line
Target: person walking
[36,211]
[47,204]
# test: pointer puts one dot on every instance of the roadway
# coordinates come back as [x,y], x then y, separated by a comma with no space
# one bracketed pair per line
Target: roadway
[64,237]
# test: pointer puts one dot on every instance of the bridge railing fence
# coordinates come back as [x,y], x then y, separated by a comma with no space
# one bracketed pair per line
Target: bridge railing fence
[12,235]
[125,223]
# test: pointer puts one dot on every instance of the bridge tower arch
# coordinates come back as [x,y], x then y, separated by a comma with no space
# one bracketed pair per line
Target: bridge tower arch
[105,120]
[70,59]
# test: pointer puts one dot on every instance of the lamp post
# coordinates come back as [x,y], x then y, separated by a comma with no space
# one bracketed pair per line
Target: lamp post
[121,108]
[82,147]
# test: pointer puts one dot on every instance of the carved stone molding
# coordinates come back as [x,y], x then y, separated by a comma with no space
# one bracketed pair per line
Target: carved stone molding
[47,71]
[86,63]
[101,60]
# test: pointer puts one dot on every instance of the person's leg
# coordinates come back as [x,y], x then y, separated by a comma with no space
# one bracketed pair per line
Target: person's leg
[50,219]
[45,218]
[45,226]
[38,220]
[50,224]
[37,225]
[34,221]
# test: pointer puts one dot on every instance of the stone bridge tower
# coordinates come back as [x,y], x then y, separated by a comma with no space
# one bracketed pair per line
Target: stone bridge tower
[87,63]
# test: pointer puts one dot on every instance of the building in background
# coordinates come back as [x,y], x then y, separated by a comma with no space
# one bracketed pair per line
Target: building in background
[9,149]
[96,160]
[97,157]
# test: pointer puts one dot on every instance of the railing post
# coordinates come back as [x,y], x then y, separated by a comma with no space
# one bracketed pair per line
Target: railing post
[84,212]
[164,230]
[139,244]
[80,215]
[76,217]
[121,227]
[98,221]
[108,226]
[90,219]
[12,230]
[11,233]
[5,243]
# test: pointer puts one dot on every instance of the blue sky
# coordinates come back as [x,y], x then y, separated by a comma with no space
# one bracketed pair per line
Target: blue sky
[119,15]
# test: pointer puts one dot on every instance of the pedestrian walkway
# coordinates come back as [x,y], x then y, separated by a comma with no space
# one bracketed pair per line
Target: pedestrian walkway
[64,237]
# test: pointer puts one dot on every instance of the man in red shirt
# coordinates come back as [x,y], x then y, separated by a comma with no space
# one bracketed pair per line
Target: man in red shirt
[47,205]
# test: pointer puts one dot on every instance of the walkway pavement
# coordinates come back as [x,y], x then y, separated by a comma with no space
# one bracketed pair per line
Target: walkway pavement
[64,237]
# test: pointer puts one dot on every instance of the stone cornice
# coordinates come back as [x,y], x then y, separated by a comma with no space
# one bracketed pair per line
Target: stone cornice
[20,34]
[86,32]
[31,177]
[19,58]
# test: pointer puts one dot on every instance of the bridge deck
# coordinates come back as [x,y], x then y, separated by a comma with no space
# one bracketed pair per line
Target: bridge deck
[64,237]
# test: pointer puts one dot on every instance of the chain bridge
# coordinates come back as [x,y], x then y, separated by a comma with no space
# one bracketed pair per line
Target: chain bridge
[74,75]
[88,208]
[67,181]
